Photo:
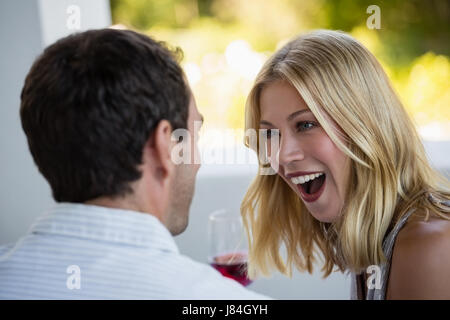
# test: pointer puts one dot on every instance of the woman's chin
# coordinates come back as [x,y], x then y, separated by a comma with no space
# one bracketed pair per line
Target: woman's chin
[321,211]
[323,218]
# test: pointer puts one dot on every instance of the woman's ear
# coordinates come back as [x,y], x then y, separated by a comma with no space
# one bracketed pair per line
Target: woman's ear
[157,152]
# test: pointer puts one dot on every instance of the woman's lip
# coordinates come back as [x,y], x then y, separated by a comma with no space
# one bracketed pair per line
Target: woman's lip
[312,197]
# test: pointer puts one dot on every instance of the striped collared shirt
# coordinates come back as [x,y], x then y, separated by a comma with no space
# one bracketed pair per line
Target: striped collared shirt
[78,251]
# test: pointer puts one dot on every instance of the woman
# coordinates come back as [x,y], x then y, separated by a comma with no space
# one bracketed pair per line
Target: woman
[353,184]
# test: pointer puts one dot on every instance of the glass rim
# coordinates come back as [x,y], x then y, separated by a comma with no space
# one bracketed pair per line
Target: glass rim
[223,214]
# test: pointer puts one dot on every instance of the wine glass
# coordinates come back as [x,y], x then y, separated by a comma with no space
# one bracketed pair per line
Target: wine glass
[228,250]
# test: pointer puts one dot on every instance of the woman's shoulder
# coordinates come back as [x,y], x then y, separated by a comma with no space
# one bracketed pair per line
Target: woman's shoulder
[419,230]
[421,260]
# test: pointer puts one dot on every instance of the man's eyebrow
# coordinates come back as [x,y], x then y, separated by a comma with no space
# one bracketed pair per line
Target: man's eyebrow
[289,118]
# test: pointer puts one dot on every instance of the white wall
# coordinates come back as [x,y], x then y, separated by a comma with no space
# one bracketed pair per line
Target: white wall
[54,15]
[26,27]
[22,189]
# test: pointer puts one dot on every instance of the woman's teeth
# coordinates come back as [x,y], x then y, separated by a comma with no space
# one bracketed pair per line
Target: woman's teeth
[305,178]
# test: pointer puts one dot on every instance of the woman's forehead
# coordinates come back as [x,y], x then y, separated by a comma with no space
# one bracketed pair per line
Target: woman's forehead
[280,98]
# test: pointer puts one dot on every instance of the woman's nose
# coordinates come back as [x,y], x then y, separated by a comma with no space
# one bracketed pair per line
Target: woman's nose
[290,150]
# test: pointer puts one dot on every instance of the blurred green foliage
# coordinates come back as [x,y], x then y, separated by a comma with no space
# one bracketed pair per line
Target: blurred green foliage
[412,44]
[408,28]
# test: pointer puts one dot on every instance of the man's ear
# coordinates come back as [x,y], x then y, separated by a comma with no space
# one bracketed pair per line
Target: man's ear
[158,151]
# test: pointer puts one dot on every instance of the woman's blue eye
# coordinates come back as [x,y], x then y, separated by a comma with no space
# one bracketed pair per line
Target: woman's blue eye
[301,126]
[305,125]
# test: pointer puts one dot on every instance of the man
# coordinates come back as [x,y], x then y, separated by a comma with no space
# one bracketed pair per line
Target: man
[98,109]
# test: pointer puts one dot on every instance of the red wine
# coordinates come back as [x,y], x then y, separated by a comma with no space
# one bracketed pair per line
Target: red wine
[233,266]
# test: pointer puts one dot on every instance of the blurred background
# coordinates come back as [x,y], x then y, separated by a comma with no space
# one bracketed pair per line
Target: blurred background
[225,43]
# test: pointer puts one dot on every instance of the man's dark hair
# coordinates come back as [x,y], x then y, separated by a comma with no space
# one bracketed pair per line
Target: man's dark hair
[90,103]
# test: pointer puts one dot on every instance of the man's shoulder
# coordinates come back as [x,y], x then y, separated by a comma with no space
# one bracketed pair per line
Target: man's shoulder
[5,248]
[154,274]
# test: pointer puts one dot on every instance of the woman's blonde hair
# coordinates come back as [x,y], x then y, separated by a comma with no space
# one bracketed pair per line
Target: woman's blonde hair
[390,174]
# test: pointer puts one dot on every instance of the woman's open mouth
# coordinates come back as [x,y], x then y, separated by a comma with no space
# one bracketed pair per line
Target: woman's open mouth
[310,186]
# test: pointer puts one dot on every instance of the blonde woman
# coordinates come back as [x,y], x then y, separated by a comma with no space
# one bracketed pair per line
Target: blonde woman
[353,185]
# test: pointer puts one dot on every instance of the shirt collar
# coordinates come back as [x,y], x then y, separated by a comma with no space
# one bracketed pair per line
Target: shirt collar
[105,224]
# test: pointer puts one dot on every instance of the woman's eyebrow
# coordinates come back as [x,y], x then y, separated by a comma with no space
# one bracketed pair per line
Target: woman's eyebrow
[265,122]
[296,113]
[289,118]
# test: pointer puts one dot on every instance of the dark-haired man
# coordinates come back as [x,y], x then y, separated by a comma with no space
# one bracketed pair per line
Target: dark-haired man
[98,109]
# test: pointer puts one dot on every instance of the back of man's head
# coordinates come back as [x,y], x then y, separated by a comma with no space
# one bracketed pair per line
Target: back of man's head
[90,103]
